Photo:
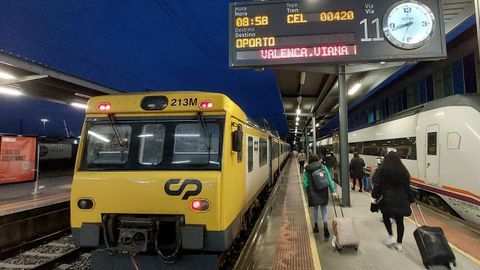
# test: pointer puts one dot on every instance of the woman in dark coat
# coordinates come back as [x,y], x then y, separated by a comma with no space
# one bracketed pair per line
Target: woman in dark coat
[394,195]
[356,170]
[318,197]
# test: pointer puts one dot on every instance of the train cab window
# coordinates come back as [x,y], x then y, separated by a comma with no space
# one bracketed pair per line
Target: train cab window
[453,140]
[105,147]
[250,154]
[151,144]
[432,143]
[263,152]
[193,146]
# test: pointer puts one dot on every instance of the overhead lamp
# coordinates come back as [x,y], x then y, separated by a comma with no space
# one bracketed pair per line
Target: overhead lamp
[6,76]
[79,105]
[296,123]
[354,89]
[317,125]
[10,91]
[297,119]
[299,111]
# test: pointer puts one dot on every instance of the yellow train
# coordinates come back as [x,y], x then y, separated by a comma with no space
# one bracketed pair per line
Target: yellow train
[167,172]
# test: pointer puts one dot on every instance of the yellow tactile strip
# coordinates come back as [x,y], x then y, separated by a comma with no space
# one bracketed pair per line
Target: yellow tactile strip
[293,247]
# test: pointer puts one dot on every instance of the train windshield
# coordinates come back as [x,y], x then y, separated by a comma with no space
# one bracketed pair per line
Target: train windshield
[145,144]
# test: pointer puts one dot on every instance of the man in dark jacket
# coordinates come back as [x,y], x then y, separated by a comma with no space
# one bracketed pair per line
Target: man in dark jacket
[356,170]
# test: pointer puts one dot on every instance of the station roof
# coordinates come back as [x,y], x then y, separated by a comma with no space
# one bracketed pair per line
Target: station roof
[40,81]
[315,89]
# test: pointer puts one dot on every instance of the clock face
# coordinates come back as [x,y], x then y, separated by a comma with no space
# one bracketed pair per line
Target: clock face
[408,24]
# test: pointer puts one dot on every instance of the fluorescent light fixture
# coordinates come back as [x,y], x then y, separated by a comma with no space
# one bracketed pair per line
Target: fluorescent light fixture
[296,123]
[145,135]
[98,136]
[187,135]
[79,105]
[317,125]
[44,120]
[297,119]
[10,91]
[299,111]
[383,63]
[354,89]
[6,76]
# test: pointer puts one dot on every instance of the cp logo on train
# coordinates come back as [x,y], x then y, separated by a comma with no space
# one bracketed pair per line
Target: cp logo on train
[192,182]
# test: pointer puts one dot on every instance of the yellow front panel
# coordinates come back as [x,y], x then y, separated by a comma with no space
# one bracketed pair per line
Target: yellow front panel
[143,192]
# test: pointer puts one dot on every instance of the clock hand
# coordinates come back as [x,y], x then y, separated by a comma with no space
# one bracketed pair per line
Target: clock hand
[402,26]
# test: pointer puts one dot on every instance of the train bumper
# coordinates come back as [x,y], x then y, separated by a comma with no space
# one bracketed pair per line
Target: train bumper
[193,237]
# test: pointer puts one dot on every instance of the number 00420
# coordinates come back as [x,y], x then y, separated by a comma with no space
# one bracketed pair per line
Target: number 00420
[344,15]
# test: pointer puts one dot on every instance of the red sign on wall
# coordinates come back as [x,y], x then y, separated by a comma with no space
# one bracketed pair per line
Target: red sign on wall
[17,159]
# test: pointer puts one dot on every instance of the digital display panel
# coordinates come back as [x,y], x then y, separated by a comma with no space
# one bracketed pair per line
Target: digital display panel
[334,32]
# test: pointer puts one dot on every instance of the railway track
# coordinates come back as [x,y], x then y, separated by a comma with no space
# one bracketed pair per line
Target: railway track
[49,255]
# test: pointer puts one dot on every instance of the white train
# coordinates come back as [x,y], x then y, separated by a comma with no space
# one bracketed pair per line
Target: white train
[439,143]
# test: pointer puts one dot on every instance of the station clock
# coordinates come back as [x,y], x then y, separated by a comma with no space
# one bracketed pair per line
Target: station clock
[408,24]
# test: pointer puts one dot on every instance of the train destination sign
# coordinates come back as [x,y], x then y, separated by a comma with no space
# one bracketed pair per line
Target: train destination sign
[335,32]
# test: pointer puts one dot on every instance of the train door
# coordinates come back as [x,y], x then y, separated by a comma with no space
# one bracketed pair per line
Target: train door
[270,169]
[432,162]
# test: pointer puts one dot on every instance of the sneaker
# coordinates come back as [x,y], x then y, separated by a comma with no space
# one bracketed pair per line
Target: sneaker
[391,241]
[398,247]
[360,190]
[315,229]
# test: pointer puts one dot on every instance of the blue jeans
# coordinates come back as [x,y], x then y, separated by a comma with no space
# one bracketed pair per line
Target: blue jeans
[368,183]
[324,213]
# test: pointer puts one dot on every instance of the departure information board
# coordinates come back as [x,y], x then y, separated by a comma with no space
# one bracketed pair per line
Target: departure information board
[334,32]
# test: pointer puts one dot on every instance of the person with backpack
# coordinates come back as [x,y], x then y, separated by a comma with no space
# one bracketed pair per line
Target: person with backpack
[393,196]
[316,182]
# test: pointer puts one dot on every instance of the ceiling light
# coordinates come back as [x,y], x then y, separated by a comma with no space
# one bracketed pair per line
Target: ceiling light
[297,119]
[354,89]
[10,91]
[317,125]
[383,63]
[296,123]
[299,111]
[79,105]
[6,76]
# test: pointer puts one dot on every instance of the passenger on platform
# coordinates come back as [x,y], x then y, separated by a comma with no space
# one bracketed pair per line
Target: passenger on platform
[356,170]
[318,197]
[302,157]
[330,161]
[394,196]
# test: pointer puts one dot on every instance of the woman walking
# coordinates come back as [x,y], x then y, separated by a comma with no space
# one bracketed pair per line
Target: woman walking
[394,196]
[318,196]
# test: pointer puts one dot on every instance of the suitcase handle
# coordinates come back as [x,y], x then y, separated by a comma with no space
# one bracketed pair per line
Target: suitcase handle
[334,209]
[421,214]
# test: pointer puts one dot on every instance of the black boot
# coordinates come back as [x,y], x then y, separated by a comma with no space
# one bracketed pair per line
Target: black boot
[326,233]
[315,229]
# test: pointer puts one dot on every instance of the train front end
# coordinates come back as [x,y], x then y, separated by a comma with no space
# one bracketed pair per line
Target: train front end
[148,175]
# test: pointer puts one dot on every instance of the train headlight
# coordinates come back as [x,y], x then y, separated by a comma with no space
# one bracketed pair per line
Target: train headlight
[85,204]
[200,205]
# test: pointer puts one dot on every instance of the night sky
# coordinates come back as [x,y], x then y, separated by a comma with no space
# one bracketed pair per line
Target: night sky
[155,45]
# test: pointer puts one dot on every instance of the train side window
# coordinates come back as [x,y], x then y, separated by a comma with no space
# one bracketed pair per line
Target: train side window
[263,152]
[432,144]
[151,144]
[453,140]
[250,154]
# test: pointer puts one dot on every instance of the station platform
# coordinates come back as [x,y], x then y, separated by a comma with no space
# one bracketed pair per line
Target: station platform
[287,241]
[18,197]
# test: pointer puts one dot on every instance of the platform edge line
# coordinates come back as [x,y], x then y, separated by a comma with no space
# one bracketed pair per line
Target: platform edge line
[313,244]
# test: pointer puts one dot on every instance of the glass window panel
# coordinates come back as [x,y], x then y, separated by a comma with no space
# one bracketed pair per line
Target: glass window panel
[447,81]
[438,80]
[263,152]
[193,146]
[250,154]
[470,74]
[432,143]
[422,91]
[429,85]
[104,147]
[152,140]
[457,74]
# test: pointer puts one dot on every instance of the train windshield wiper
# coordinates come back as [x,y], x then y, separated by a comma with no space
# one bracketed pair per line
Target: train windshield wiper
[208,136]
[121,141]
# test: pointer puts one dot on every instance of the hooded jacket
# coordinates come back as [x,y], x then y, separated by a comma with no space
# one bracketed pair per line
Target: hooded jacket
[316,197]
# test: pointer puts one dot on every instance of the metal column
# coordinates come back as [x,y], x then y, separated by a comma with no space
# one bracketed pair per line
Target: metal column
[314,134]
[477,15]
[343,115]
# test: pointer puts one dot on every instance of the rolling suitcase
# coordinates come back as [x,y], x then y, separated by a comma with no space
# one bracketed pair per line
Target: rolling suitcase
[344,231]
[432,244]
